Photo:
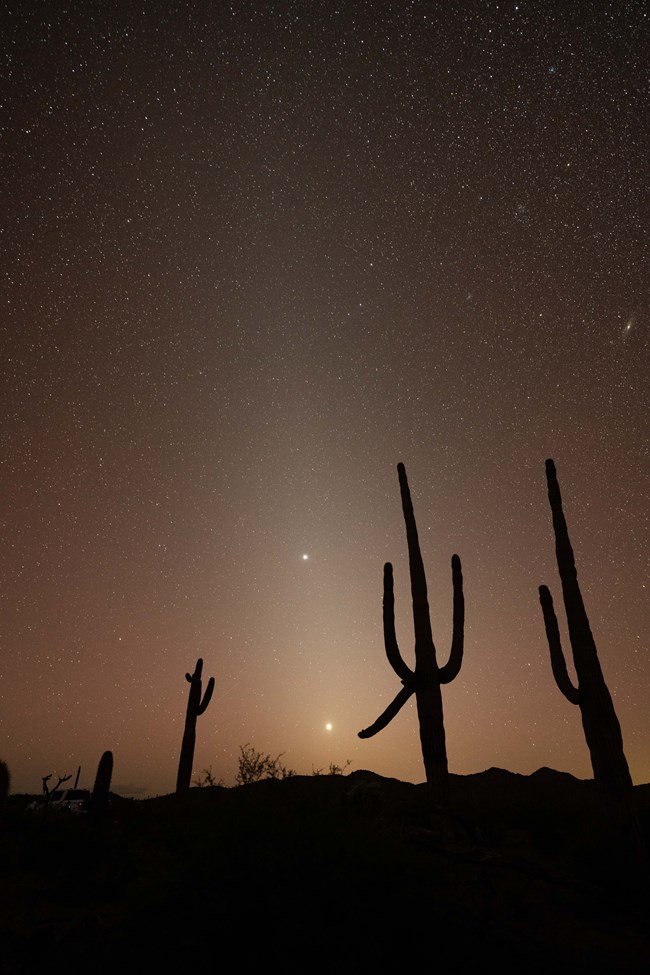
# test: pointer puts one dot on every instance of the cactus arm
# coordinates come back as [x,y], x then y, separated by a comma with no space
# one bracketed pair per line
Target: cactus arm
[451,669]
[390,712]
[206,697]
[558,663]
[390,639]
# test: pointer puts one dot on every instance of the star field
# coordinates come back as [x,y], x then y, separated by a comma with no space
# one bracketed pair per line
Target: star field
[255,254]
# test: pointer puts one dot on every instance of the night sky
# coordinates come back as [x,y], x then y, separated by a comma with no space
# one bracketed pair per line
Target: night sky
[254,254]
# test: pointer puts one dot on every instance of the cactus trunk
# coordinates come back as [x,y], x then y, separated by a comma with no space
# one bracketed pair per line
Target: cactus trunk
[432,736]
[186,760]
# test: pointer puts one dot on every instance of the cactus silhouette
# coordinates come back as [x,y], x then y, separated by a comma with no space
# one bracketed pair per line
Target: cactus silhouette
[427,677]
[601,726]
[195,707]
[4,784]
[100,800]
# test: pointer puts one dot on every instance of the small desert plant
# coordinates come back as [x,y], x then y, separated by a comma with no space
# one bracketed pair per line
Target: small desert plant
[206,778]
[48,794]
[253,766]
[333,769]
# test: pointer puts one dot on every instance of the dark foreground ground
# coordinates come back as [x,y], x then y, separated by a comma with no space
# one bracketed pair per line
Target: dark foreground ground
[333,874]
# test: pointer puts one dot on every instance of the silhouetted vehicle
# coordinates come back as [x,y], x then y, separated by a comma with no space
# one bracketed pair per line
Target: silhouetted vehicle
[74,801]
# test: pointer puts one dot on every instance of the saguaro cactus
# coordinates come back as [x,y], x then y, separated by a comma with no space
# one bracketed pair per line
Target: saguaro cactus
[4,785]
[427,677]
[195,707]
[601,727]
[101,789]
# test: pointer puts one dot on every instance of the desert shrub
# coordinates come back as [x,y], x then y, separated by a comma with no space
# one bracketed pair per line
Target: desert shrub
[333,769]
[254,765]
[206,778]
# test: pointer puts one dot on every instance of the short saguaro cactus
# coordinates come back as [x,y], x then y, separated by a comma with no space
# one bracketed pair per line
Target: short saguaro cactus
[195,707]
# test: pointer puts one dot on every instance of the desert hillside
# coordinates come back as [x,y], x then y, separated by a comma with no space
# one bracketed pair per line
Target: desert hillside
[350,871]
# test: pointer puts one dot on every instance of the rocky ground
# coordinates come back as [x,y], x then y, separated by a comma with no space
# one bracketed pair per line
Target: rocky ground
[332,873]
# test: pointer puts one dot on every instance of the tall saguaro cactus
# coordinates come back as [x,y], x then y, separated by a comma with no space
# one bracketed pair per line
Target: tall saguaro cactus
[601,727]
[195,707]
[427,677]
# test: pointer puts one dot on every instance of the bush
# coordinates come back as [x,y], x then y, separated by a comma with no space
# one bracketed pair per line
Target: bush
[206,779]
[333,769]
[253,766]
